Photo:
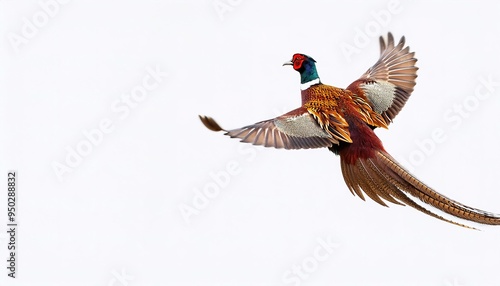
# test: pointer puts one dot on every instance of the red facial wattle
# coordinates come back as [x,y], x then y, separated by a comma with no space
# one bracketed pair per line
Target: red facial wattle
[297,61]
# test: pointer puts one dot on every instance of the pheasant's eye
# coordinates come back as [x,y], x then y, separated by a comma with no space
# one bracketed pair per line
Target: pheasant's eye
[298,58]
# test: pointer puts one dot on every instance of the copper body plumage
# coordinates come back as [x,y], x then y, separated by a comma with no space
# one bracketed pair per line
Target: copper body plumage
[343,120]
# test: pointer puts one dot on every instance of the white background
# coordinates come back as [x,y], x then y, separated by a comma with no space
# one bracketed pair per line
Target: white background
[114,219]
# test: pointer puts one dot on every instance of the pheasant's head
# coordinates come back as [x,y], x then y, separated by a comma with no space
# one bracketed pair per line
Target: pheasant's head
[306,66]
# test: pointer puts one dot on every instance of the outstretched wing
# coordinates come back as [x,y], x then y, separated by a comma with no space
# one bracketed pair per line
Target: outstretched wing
[389,83]
[296,129]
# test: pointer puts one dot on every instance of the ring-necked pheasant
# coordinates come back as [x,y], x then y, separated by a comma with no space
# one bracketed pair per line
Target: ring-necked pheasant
[343,120]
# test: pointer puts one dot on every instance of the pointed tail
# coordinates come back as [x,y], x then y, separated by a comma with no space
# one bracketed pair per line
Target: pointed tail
[381,177]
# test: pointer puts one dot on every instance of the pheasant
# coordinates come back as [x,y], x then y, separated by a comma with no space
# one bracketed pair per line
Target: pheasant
[343,120]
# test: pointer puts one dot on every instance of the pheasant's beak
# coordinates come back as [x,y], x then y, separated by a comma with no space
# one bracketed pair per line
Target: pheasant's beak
[289,63]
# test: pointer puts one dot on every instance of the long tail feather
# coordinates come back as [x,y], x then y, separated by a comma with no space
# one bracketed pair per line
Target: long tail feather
[382,177]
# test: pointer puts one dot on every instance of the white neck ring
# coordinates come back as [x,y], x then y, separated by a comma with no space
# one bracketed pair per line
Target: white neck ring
[306,85]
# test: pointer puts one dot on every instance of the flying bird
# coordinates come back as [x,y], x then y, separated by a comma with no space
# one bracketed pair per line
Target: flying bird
[343,120]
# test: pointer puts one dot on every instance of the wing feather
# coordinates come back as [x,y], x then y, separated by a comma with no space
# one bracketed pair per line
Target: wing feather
[297,129]
[389,83]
